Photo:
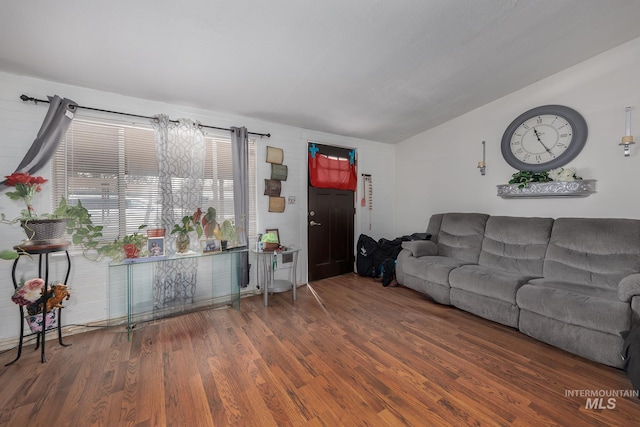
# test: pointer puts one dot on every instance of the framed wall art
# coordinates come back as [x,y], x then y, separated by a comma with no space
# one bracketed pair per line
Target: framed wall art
[210,246]
[155,245]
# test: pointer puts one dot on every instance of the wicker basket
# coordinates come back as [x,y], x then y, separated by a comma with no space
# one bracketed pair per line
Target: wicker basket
[44,230]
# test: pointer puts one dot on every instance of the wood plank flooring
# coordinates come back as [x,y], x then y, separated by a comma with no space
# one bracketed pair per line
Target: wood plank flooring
[348,352]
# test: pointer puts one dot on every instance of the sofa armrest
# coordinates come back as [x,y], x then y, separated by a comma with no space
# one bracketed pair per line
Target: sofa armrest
[629,287]
[420,248]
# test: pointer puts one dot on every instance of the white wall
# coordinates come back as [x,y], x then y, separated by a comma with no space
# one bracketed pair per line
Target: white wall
[436,170]
[19,124]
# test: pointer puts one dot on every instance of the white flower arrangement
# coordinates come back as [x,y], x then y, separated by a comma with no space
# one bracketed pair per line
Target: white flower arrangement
[564,174]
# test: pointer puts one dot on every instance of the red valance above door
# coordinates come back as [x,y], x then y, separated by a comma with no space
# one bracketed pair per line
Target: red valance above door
[332,172]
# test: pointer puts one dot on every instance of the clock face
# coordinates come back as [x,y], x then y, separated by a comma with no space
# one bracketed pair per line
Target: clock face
[544,138]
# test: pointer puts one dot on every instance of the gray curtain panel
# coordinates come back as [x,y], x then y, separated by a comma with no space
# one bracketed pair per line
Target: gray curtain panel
[54,127]
[240,158]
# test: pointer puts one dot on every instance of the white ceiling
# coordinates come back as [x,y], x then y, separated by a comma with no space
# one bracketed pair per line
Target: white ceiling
[382,70]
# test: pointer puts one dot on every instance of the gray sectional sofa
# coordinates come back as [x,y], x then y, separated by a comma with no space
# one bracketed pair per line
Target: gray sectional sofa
[573,283]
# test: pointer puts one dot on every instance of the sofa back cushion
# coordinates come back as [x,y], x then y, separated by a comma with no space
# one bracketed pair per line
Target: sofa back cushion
[459,235]
[593,251]
[516,244]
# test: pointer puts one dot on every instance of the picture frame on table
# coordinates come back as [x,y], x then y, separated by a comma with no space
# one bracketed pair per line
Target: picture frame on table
[155,246]
[274,231]
[210,246]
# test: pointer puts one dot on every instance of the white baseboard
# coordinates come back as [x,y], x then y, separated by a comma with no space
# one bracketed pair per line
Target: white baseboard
[68,330]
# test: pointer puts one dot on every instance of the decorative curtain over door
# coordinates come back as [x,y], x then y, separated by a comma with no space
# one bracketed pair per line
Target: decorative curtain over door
[180,150]
[332,172]
[240,159]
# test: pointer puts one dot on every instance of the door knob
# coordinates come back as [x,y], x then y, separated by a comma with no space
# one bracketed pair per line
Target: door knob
[313,223]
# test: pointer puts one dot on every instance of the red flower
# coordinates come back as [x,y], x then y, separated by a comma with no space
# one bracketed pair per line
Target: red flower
[24,178]
[26,187]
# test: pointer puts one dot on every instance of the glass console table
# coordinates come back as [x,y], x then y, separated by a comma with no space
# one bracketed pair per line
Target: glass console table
[143,289]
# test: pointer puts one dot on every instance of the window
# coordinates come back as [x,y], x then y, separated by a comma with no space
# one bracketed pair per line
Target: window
[111,168]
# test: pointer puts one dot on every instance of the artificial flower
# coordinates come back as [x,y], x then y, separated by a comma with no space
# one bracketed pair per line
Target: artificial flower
[29,292]
[26,186]
[563,174]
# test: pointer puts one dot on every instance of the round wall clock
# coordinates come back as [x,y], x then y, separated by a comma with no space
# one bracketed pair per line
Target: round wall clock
[544,138]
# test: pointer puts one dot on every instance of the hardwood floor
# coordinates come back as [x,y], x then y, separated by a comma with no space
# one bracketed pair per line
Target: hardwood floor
[348,352]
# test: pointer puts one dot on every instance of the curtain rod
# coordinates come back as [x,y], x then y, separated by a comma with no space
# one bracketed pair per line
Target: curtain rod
[35,100]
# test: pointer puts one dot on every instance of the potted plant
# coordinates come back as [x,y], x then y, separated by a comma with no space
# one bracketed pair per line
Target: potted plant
[229,234]
[209,224]
[39,228]
[49,227]
[188,224]
[523,178]
[132,244]
[128,246]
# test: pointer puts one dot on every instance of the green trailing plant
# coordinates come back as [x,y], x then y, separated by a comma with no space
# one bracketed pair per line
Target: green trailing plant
[523,178]
[79,225]
[8,254]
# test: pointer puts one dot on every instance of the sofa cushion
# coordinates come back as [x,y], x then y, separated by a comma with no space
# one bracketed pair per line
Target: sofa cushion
[505,313]
[419,248]
[434,269]
[629,287]
[460,236]
[590,307]
[488,281]
[598,346]
[593,251]
[516,244]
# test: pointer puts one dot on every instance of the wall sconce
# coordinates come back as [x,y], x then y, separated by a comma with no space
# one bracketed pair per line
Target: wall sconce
[482,165]
[627,140]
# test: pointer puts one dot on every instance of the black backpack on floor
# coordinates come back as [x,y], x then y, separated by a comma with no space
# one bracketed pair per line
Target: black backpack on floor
[366,257]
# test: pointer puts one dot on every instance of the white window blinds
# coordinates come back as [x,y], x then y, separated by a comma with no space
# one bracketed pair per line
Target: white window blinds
[111,168]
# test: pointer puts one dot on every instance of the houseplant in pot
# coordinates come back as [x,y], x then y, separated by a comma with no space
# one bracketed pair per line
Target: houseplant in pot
[128,246]
[209,223]
[38,228]
[79,227]
[229,234]
[133,243]
[188,224]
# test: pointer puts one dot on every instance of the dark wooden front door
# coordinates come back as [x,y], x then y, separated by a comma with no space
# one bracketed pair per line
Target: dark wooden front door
[330,230]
